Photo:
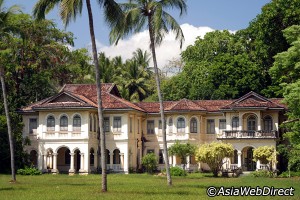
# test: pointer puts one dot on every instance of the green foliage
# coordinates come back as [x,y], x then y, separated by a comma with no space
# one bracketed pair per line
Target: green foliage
[288,174]
[219,66]
[149,161]
[265,154]
[263,173]
[177,171]
[286,68]
[213,154]
[29,171]
[182,151]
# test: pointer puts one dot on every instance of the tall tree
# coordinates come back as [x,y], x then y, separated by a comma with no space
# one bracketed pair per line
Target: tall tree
[4,31]
[152,13]
[69,9]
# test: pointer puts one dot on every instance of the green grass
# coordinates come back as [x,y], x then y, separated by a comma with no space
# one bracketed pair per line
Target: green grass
[133,186]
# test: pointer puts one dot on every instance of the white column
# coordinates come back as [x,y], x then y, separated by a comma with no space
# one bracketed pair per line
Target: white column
[71,170]
[259,121]
[240,121]
[44,162]
[170,160]
[54,170]
[257,165]
[81,162]
[111,160]
[174,161]
[239,158]
[51,161]
[122,160]
[188,162]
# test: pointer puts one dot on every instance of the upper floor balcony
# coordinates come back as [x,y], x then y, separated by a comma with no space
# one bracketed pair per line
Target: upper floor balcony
[242,134]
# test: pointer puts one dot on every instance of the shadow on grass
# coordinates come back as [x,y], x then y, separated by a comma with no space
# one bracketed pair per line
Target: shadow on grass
[6,189]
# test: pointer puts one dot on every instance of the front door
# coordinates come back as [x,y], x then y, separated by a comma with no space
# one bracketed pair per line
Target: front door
[250,164]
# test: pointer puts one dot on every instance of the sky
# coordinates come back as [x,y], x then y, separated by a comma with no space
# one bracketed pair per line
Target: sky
[202,16]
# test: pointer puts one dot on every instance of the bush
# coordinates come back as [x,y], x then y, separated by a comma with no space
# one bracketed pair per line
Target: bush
[149,161]
[263,173]
[29,171]
[177,171]
[286,174]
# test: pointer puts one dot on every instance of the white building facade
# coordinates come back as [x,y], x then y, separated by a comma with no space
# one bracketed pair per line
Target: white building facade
[64,135]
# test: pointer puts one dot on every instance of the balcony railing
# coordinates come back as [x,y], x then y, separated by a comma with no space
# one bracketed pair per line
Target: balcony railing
[247,134]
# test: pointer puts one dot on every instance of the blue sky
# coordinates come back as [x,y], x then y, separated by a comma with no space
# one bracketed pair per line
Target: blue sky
[202,16]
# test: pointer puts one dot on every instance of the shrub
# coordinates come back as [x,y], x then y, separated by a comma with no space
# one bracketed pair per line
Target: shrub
[286,174]
[263,173]
[29,171]
[177,171]
[149,161]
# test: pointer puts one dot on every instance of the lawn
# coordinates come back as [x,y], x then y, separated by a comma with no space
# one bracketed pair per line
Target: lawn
[133,186]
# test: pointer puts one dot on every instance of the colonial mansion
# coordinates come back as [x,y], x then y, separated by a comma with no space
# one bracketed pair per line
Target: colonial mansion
[63,129]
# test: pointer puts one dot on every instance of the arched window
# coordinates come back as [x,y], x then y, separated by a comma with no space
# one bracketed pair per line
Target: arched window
[63,123]
[92,158]
[180,125]
[235,123]
[76,123]
[50,123]
[116,157]
[171,125]
[33,157]
[193,125]
[107,157]
[67,157]
[251,123]
[268,123]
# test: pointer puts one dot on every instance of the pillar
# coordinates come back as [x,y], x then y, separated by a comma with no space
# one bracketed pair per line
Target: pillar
[258,165]
[240,122]
[81,162]
[122,160]
[170,160]
[259,121]
[54,170]
[239,158]
[111,158]
[174,161]
[188,158]
[44,167]
[71,170]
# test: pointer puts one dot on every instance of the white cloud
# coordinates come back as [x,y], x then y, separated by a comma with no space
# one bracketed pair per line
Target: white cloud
[170,48]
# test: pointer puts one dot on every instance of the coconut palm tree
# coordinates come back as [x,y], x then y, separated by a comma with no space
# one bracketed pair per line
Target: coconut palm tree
[4,34]
[69,9]
[151,13]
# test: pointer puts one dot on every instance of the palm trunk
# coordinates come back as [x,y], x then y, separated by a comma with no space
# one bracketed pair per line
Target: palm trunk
[98,83]
[10,136]
[160,98]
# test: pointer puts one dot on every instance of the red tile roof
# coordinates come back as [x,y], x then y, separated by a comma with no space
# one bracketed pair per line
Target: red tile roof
[184,104]
[84,95]
[252,100]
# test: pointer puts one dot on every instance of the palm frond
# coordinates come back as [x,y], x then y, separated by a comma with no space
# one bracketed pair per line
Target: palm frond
[180,4]
[43,7]
[174,26]
[69,9]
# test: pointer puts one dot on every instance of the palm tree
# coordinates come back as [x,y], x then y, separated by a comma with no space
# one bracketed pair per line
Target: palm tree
[139,13]
[69,9]
[4,32]
[134,78]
